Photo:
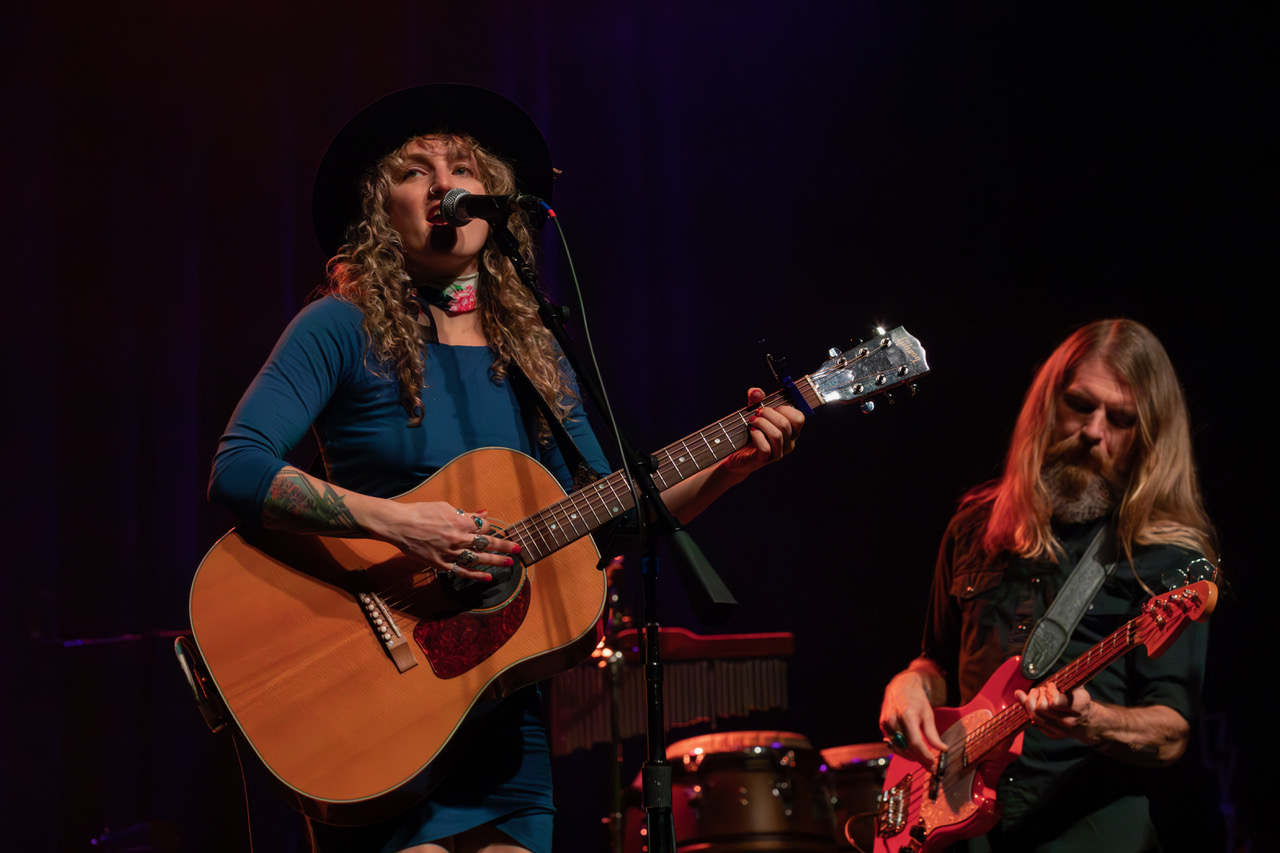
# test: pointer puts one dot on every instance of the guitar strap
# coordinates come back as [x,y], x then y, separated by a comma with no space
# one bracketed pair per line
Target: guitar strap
[615,537]
[1049,637]
[526,392]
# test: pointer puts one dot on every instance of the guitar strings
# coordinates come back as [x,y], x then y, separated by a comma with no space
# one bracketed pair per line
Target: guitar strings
[1015,717]
[966,752]
[567,520]
[1138,631]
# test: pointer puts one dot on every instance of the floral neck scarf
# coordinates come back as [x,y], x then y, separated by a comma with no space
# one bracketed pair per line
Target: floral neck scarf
[458,297]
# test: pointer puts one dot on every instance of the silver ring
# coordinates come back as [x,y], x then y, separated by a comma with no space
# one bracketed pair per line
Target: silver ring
[898,739]
[447,570]
[480,543]
[459,510]
[478,520]
[466,559]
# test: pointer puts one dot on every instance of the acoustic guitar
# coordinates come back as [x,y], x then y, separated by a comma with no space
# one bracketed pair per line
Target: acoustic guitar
[350,673]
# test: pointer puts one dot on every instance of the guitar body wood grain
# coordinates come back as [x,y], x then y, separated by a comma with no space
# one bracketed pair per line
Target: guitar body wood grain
[310,686]
[354,729]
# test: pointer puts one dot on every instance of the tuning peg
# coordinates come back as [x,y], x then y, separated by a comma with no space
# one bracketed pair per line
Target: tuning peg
[868,406]
[833,352]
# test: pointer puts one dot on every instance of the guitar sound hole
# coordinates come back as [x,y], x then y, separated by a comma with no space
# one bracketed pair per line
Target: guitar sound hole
[467,594]
[457,642]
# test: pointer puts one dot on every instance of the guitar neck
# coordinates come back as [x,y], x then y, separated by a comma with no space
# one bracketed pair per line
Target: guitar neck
[1162,620]
[609,497]
[1014,718]
[875,366]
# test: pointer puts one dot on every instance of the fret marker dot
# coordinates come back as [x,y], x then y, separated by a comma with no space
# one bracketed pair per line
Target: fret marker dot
[681,458]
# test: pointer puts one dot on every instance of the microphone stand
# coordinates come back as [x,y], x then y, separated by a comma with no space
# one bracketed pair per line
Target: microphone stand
[617,621]
[711,599]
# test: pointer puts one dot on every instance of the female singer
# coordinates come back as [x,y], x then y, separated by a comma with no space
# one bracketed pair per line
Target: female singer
[405,363]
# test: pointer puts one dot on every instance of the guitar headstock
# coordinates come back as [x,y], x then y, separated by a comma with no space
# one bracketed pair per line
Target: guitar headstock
[1164,616]
[879,364]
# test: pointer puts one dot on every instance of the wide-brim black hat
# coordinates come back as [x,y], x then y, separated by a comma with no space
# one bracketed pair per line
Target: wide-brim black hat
[501,128]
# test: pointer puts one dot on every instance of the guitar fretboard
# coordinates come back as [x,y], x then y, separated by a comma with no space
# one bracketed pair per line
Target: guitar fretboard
[578,514]
[1157,619]
[1014,718]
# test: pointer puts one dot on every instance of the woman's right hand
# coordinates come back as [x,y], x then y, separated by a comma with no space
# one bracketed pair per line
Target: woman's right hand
[906,714]
[443,537]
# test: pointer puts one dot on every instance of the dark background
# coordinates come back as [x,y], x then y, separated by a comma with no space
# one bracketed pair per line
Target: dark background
[987,175]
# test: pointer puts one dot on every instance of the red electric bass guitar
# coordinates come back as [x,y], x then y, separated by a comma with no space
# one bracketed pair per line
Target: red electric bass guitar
[923,811]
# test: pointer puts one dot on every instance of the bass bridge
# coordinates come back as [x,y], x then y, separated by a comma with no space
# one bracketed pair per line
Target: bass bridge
[892,808]
[893,811]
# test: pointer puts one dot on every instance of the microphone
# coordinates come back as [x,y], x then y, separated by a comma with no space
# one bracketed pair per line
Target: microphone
[458,207]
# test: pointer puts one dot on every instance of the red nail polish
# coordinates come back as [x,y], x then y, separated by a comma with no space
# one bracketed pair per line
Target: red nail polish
[510,562]
[515,549]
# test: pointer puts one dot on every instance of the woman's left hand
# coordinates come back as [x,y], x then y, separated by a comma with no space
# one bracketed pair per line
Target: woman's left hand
[773,435]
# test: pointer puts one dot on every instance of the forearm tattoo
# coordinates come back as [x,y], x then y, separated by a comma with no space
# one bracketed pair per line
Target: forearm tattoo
[294,503]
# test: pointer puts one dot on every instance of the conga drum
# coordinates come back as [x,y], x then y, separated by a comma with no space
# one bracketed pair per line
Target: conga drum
[858,772]
[750,792]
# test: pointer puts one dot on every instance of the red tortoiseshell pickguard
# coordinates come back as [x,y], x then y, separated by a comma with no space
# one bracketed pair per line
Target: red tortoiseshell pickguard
[456,643]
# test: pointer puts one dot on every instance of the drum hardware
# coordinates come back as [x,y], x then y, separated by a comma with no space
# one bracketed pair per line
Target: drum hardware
[706,678]
[857,772]
[748,792]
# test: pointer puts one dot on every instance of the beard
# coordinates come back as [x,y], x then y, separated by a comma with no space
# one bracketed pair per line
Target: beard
[1081,485]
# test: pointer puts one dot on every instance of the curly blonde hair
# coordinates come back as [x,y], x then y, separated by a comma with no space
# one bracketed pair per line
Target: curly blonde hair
[1161,504]
[369,272]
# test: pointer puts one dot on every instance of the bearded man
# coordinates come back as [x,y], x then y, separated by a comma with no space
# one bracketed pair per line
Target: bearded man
[1101,450]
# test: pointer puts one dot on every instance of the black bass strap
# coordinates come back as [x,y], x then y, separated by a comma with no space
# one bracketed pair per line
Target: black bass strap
[1049,637]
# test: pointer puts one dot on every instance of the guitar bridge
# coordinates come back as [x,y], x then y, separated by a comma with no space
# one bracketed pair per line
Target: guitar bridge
[388,632]
[891,809]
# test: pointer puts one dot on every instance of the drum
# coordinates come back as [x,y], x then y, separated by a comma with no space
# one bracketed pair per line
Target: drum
[750,792]
[858,772]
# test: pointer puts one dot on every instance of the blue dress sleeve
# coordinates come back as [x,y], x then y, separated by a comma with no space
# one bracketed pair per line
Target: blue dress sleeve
[309,363]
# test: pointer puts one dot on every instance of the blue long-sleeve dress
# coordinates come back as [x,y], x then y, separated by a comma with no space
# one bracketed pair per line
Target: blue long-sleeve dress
[322,375]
